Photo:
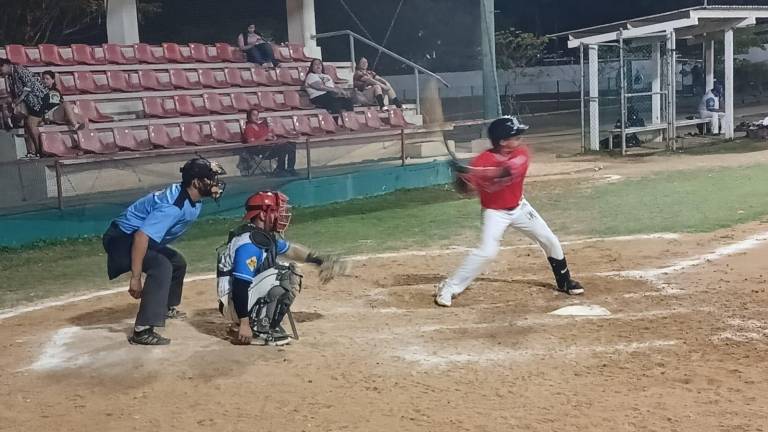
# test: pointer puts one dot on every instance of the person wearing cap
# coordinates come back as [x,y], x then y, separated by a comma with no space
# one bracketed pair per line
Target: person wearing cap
[498,175]
[709,109]
[137,241]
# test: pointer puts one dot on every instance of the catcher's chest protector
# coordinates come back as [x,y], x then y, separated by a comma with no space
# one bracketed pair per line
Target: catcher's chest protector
[266,241]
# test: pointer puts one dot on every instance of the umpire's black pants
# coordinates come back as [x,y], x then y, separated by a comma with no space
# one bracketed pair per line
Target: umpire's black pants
[165,269]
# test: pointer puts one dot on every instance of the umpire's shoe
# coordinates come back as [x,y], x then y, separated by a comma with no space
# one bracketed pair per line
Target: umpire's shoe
[147,337]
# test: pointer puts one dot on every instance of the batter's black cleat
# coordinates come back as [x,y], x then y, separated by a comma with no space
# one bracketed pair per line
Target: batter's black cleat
[175,313]
[147,337]
[572,287]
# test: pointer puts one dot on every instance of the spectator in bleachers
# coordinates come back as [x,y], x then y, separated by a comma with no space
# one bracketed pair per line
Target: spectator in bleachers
[56,109]
[27,92]
[256,48]
[258,130]
[323,93]
[370,87]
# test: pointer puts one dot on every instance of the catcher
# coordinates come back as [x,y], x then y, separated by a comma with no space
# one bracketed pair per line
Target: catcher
[255,291]
[498,175]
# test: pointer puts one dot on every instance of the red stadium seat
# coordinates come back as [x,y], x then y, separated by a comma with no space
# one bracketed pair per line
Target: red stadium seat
[125,139]
[200,53]
[64,88]
[230,54]
[85,83]
[173,53]
[150,81]
[221,132]
[263,77]
[327,123]
[49,54]
[244,102]
[302,70]
[145,54]
[351,122]
[159,136]
[235,78]
[89,110]
[84,54]
[185,106]
[294,100]
[302,125]
[56,144]
[121,81]
[155,107]
[277,126]
[396,119]
[91,141]
[267,101]
[18,54]
[297,53]
[281,53]
[114,54]
[180,80]
[209,79]
[330,70]
[372,120]
[192,133]
[284,76]
[214,104]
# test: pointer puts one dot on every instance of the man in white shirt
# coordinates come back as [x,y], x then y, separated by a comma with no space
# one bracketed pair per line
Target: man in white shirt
[709,108]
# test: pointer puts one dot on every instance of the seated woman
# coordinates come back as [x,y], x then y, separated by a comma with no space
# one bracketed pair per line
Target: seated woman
[256,48]
[323,93]
[27,92]
[56,109]
[257,130]
[370,88]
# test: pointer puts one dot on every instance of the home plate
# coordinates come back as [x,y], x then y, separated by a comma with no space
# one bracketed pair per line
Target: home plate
[582,310]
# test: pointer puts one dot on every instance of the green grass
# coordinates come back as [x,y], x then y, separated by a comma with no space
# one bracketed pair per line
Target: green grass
[687,201]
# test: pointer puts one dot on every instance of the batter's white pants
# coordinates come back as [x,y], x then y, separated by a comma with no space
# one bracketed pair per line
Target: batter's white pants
[524,219]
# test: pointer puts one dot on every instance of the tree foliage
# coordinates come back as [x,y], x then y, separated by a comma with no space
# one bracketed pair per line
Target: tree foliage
[517,49]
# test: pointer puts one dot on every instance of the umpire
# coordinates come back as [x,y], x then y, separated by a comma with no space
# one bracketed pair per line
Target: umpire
[137,241]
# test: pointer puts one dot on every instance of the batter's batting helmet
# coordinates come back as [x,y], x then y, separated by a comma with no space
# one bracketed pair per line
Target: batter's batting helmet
[271,207]
[503,128]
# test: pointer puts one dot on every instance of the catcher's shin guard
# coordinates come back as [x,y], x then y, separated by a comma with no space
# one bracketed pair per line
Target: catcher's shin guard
[563,277]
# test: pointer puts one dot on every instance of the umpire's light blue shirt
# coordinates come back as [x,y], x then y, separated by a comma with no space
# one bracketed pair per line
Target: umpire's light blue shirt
[163,215]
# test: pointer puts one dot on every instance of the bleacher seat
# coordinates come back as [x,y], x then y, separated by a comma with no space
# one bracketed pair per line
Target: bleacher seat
[214,104]
[351,122]
[221,133]
[50,55]
[330,70]
[56,144]
[281,53]
[192,133]
[262,77]
[268,102]
[235,78]
[244,102]
[18,54]
[150,81]
[294,100]
[297,53]
[209,79]
[155,107]
[91,111]
[84,54]
[159,136]
[180,80]
[172,53]
[185,106]
[86,83]
[91,141]
[114,54]
[121,81]
[125,139]
[230,54]
[397,119]
[285,77]
[278,127]
[200,53]
[145,54]
[327,123]
[65,88]
[303,126]
[372,120]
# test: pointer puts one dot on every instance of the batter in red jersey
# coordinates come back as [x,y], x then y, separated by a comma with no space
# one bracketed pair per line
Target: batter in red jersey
[498,175]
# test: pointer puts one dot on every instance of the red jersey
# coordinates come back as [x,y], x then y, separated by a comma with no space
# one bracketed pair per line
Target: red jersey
[255,132]
[506,192]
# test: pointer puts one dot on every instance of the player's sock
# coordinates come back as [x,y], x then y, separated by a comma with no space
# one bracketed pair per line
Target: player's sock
[396,102]
[561,272]
[380,100]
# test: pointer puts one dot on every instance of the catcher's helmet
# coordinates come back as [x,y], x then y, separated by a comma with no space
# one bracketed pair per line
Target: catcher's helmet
[271,207]
[503,128]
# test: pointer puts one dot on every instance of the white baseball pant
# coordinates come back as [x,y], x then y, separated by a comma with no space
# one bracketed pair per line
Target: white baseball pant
[524,219]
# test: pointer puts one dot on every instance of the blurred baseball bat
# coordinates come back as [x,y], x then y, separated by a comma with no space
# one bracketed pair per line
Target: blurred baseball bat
[432,112]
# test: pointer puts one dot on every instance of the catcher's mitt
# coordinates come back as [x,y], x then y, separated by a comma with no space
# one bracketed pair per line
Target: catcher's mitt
[331,267]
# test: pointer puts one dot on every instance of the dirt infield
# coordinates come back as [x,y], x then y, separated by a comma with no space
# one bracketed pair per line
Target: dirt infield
[684,350]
